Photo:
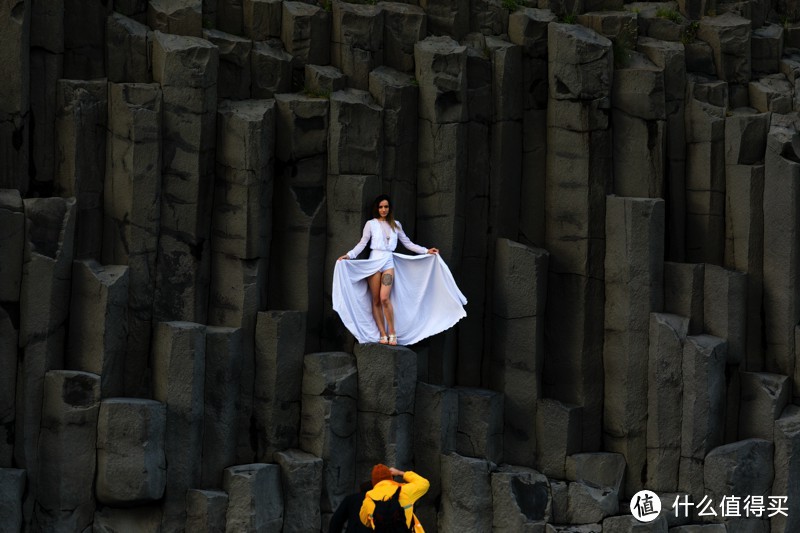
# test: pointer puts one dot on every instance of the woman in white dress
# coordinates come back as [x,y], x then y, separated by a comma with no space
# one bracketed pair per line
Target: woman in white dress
[428,300]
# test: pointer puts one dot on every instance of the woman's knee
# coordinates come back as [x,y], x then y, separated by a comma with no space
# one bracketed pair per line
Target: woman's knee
[386,300]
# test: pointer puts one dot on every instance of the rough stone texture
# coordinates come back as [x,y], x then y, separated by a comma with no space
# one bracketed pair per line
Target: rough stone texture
[12,239]
[440,71]
[521,500]
[558,430]
[280,340]
[403,26]
[9,338]
[724,309]
[781,219]
[729,37]
[520,293]
[702,424]
[131,466]
[15,98]
[67,455]
[786,456]
[683,293]
[598,469]
[127,50]
[205,511]
[386,389]
[578,178]
[629,524]
[132,211]
[664,400]
[80,146]
[306,33]
[356,43]
[262,19]
[144,519]
[301,475]
[589,504]
[233,78]
[181,17]
[255,497]
[633,290]
[186,68]
[355,134]
[480,424]
[466,494]
[323,80]
[84,39]
[178,381]
[223,369]
[435,431]
[766,48]
[271,69]
[763,399]
[328,421]
[45,289]
[447,17]
[772,93]
[98,327]
[12,488]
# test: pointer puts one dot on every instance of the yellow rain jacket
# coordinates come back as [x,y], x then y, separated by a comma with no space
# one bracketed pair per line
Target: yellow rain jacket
[413,489]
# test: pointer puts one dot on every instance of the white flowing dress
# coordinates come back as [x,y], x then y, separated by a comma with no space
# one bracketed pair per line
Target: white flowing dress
[425,297]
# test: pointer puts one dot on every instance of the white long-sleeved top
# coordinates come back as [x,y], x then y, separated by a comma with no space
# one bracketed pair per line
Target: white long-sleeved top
[382,236]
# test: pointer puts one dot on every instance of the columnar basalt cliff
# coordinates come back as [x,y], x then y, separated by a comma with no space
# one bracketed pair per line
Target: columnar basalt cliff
[615,186]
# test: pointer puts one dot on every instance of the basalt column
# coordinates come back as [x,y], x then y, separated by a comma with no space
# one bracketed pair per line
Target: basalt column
[44,306]
[186,68]
[578,178]
[132,212]
[781,249]
[297,266]
[15,104]
[441,66]
[634,265]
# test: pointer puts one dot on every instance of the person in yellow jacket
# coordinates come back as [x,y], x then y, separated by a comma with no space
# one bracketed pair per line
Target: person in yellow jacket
[384,486]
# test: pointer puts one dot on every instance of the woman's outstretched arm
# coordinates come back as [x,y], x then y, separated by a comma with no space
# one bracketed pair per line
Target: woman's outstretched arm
[403,238]
[365,236]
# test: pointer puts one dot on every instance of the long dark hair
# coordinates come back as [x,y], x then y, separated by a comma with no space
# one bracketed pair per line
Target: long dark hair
[390,216]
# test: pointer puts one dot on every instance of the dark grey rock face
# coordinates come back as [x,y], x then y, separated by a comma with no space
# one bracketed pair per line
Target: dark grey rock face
[613,186]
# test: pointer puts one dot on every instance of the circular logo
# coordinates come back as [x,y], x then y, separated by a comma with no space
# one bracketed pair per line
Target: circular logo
[645,506]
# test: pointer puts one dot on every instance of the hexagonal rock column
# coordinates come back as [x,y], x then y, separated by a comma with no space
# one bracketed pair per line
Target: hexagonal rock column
[386,386]
[357,41]
[664,400]
[671,58]
[12,488]
[745,143]
[740,469]
[629,524]
[98,327]
[703,420]
[271,68]
[132,212]
[729,37]
[683,292]
[12,238]
[206,510]
[764,397]
[355,135]
[46,278]
[397,94]
[9,337]
[520,291]
[640,137]
[435,430]
[80,141]
[127,45]
[84,39]
[229,15]
[328,421]
[301,476]
[633,290]
[255,498]
[724,309]
[262,19]
[466,494]
[447,17]
[766,48]
[786,461]
[480,424]
[280,341]
[578,177]
[233,80]
[67,455]
[306,33]
[178,381]
[15,95]
[131,466]
[181,17]
[781,254]
[222,387]
[558,435]
[350,200]
[298,246]
[706,103]
[186,68]
[771,93]
[521,500]
[527,27]
[403,25]
[587,503]
[146,519]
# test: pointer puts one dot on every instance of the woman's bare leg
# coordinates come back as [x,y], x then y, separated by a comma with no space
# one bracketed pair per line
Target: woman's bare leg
[374,282]
[387,281]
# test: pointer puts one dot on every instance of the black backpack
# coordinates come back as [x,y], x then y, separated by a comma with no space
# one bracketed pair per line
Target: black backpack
[389,516]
